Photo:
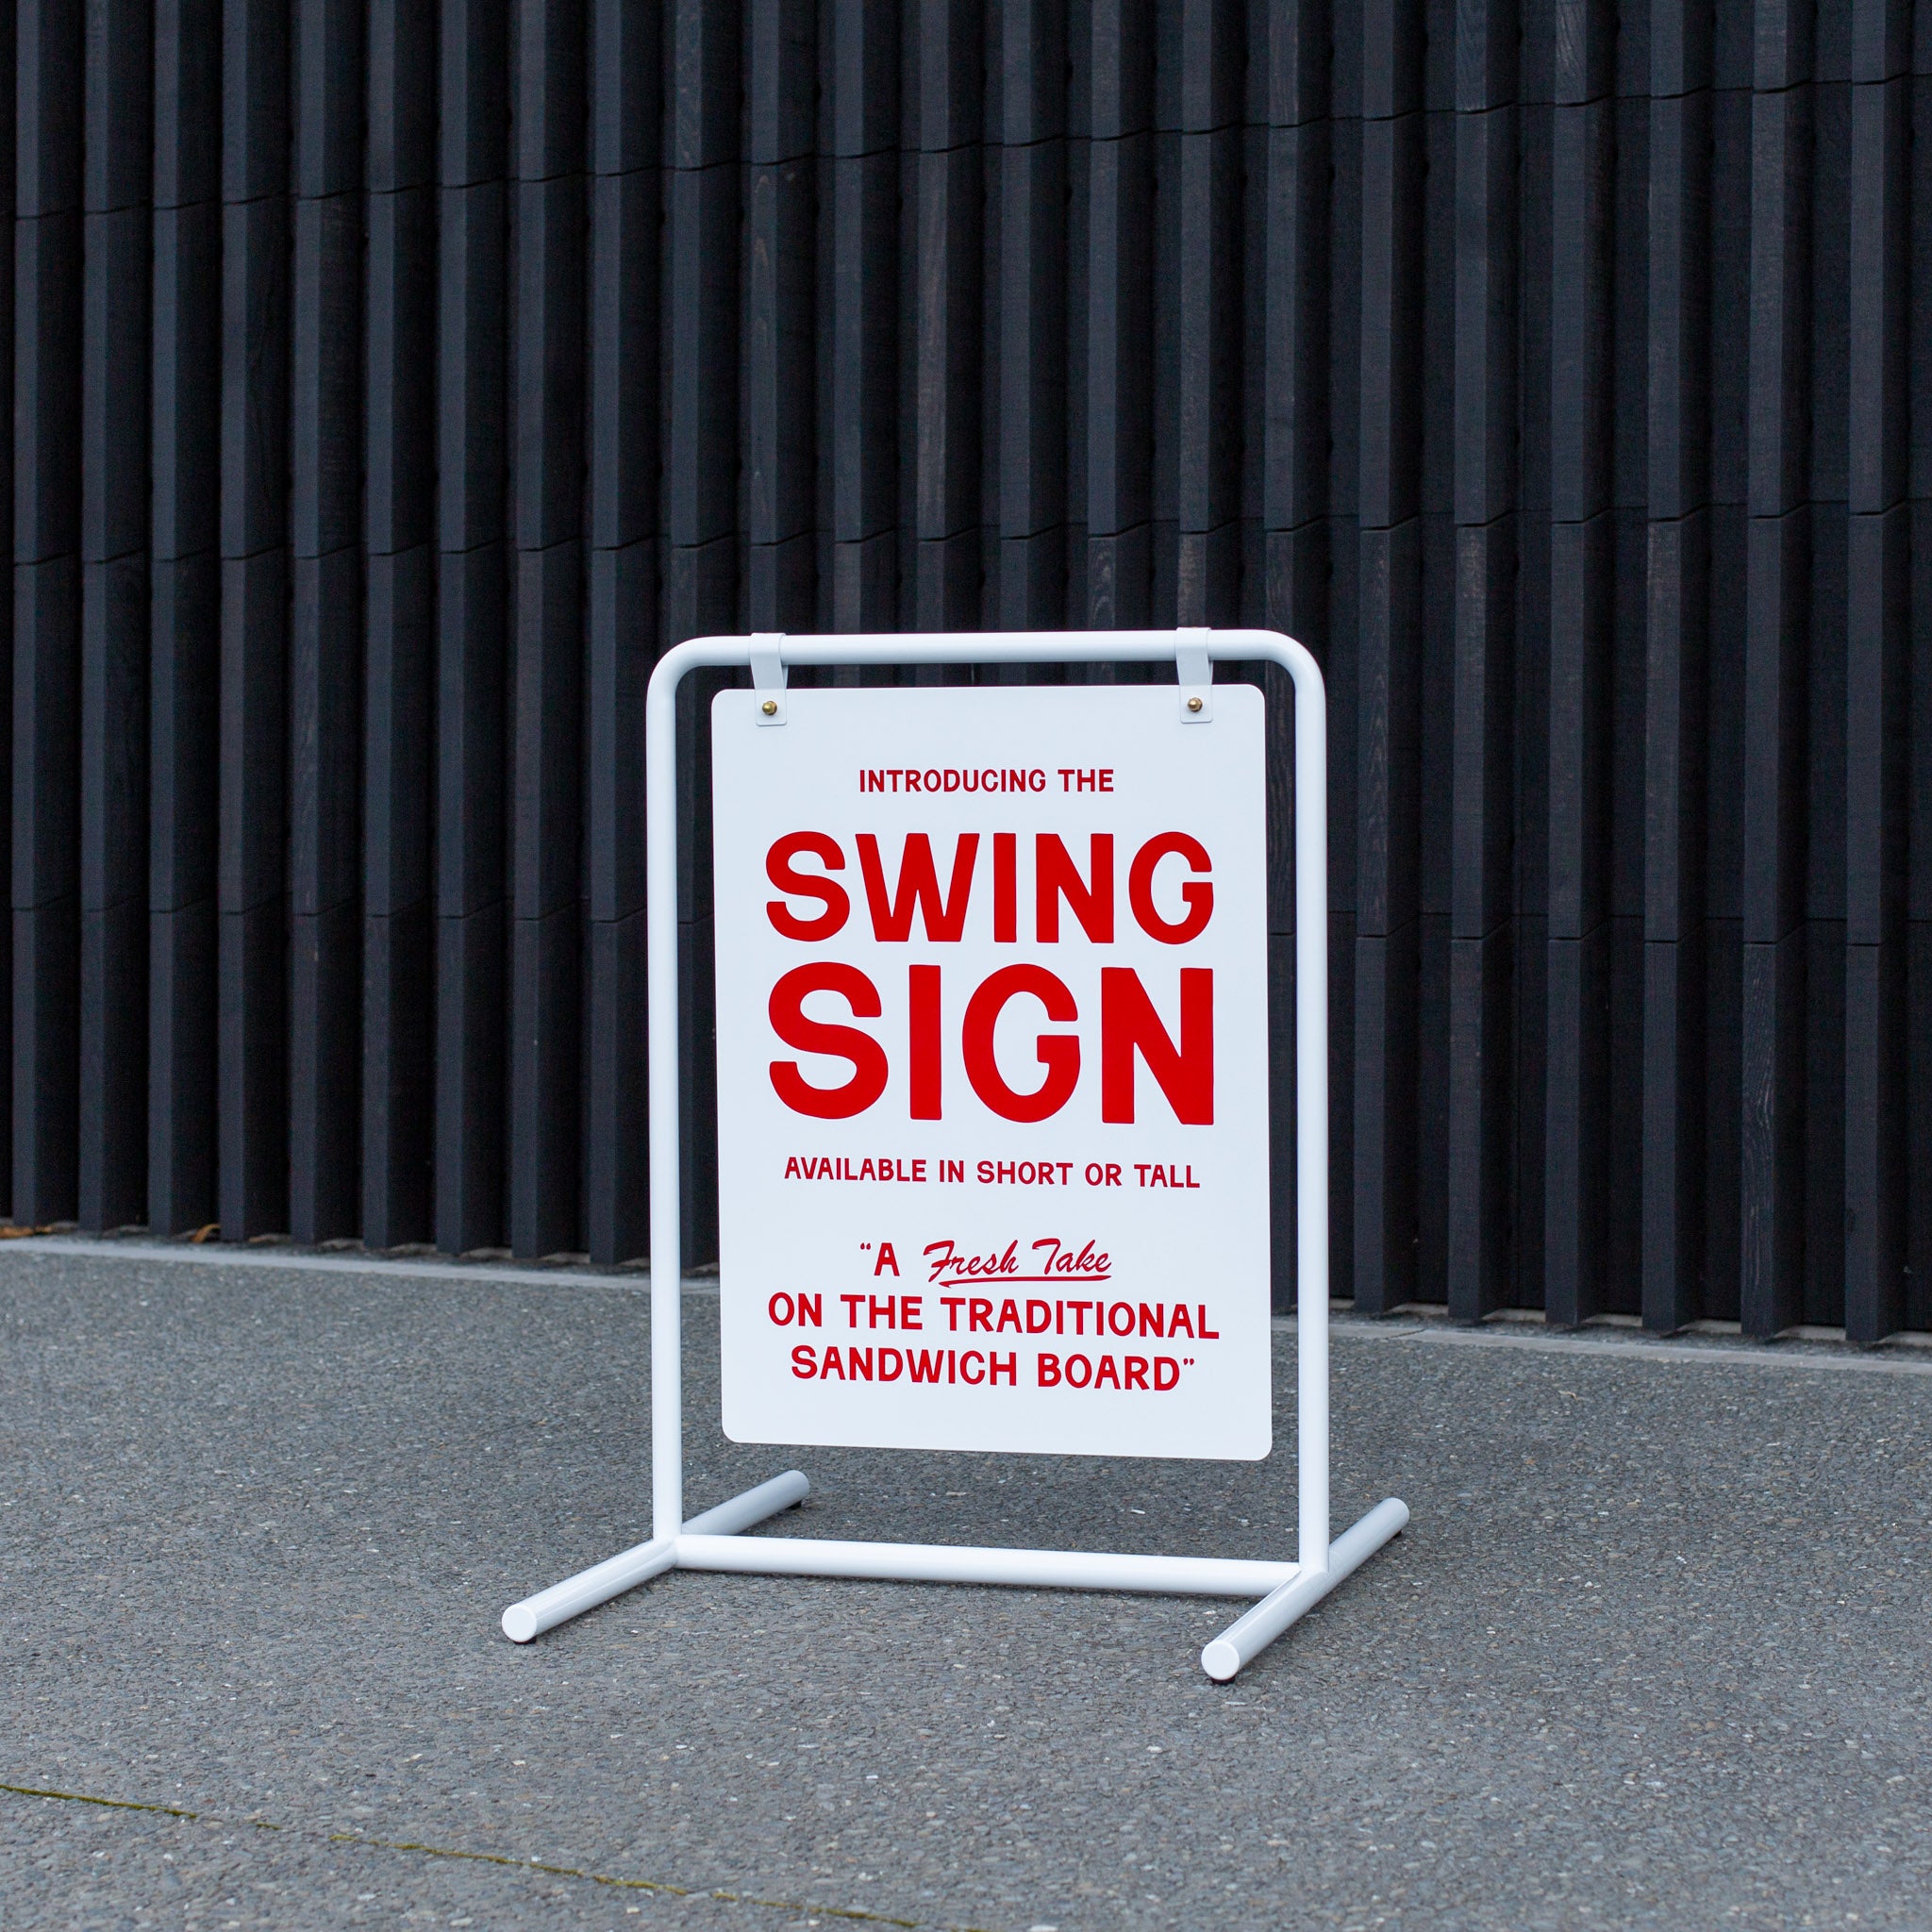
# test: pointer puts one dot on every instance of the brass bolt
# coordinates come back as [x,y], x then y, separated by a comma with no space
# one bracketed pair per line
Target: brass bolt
[770,707]
[1193,704]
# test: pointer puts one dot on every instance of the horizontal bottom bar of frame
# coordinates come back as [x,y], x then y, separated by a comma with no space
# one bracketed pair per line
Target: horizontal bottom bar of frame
[783,1555]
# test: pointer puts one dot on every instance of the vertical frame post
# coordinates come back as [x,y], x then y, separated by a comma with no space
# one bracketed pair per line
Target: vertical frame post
[661,968]
[1312,1103]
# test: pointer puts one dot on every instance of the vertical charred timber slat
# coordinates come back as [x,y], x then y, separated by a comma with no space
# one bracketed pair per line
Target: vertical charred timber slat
[1294,294]
[1388,574]
[1918,906]
[1483,1225]
[184,620]
[698,1008]
[948,167]
[1776,675]
[1877,742]
[1771,1183]
[1674,960]
[252,891]
[548,389]
[700,510]
[1878,567]
[1576,1111]
[622,610]
[1826,416]
[702,360]
[1385,916]
[863,211]
[780,365]
[625,92]
[398,950]
[1077,257]
[472,592]
[1118,315]
[1162,246]
[325,658]
[1481,934]
[1032,315]
[115,357]
[10,100]
[1207,446]
[398,940]
[9,158]
[1676,626]
[1630,430]
[1287,315]
[46,606]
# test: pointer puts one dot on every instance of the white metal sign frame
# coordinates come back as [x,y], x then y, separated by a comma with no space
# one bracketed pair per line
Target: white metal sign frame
[715,1540]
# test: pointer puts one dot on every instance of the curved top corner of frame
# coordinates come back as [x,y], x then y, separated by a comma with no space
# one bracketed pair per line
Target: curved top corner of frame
[1289,652]
[688,652]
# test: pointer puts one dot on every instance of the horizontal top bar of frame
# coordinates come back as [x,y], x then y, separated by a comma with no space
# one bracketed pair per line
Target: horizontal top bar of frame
[986,647]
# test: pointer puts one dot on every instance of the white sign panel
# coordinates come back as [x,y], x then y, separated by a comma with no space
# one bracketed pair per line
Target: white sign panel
[993,1070]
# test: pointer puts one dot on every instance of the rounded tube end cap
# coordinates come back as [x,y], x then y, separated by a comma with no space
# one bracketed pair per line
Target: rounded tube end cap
[520,1623]
[1221,1659]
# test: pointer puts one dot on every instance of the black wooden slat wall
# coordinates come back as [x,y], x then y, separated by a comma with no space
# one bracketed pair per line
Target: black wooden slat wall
[394,379]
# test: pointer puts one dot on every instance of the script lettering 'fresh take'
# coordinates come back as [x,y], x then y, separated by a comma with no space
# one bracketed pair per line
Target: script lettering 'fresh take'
[993,1070]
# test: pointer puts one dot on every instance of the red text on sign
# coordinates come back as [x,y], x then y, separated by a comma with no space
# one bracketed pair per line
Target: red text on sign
[892,904]
[1132,1034]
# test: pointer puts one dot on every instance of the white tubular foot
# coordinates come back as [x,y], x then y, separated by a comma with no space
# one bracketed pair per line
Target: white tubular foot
[741,1512]
[1248,1636]
[525,1622]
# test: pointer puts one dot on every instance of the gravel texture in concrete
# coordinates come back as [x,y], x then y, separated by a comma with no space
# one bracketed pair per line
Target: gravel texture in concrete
[1653,1652]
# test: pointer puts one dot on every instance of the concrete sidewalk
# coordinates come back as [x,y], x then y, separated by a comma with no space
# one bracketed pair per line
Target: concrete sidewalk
[1654,1651]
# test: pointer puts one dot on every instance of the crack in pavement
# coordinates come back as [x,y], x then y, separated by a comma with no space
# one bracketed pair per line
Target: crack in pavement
[851,1913]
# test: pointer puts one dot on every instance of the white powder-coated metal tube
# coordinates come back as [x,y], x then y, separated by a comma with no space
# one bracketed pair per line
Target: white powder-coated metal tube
[1248,1636]
[529,1620]
[741,1512]
[776,1556]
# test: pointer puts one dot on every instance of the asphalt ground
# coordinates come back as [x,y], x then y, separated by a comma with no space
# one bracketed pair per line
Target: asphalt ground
[1653,1652]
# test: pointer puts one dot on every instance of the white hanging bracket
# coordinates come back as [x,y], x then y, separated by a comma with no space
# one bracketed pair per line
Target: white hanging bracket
[1194,674]
[768,674]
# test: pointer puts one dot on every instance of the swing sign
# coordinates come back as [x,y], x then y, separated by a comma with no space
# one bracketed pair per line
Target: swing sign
[992,1069]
